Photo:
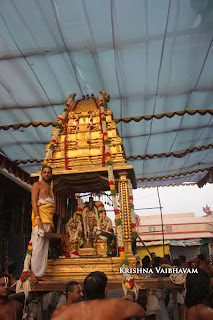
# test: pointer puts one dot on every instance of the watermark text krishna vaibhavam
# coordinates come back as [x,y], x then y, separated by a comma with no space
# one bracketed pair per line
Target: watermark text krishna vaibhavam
[157,270]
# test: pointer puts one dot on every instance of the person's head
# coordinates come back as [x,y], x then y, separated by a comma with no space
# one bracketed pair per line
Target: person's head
[73,292]
[146,262]
[198,288]
[182,259]
[201,258]
[5,283]
[46,174]
[95,286]
[176,262]
[157,262]
[11,268]
[153,255]
[101,275]
[192,264]
[91,202]
[167,257]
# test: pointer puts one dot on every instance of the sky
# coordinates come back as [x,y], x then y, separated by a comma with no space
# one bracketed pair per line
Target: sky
[178,199]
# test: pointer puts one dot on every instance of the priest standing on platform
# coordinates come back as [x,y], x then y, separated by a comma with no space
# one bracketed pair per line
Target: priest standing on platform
[43,209]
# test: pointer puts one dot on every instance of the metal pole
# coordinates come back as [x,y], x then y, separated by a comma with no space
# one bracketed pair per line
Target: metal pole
[161,219]
[144,244]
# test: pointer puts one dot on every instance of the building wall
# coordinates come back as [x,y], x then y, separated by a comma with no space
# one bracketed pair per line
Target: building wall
[175,226]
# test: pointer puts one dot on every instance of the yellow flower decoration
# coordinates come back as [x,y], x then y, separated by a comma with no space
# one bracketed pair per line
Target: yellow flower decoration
[134,229]
[122,255]
[127,285]
[30,247]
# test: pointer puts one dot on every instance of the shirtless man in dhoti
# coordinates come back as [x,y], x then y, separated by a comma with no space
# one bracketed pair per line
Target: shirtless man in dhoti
[43,209]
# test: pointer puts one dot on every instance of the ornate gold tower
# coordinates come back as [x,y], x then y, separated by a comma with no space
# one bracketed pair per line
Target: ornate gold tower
[78,164]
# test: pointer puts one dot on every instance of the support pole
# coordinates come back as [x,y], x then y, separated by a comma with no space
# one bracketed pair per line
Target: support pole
[125,212]
[161,219]
[144,245]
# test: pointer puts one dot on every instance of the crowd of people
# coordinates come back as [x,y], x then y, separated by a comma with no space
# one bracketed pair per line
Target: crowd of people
[90,304]
[202,298]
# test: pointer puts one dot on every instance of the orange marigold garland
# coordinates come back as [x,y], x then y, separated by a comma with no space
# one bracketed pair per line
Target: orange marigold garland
[65,144]
[132,211]
[24,278]
[128,281]
[101,124]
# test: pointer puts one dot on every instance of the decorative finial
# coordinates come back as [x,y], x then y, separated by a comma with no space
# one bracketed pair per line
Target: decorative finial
[105,98]
[83,97]
[87,97]
[92,96]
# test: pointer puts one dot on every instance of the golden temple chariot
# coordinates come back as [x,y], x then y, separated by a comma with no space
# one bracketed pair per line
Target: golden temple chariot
[78,161]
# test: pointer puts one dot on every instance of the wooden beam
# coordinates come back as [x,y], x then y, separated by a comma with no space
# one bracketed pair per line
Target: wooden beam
[111,285]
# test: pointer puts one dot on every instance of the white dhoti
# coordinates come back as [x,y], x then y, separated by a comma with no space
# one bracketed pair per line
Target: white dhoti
[40,251]
[40,245]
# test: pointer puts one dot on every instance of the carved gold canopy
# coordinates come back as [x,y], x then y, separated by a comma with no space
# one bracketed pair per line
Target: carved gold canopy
[78,156]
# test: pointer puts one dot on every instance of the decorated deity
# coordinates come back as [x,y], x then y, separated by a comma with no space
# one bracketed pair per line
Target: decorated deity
[74,229]
[89,222]
[90,218]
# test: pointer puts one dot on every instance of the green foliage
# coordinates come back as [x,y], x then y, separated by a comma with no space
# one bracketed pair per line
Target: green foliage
[125,263]
[113,192]
[134,235]
[118,222]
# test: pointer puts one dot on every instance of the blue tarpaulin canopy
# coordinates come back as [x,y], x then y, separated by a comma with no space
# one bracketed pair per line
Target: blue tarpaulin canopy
[154,58]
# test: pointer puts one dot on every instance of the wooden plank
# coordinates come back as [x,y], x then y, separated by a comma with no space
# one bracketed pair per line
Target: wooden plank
[111,285]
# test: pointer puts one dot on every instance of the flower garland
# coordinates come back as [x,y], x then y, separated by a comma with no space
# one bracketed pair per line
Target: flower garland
[24,278]
[90,127]
[102,118]
[71,254]
[132,211]
[60,122]
[25,273]
[128,281]
[65,144]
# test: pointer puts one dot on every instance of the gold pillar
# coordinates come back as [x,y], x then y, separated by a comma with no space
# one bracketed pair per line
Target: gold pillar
[125,212]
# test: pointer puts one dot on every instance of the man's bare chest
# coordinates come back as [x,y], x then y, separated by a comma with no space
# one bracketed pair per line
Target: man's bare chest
[8,312]
[45,192]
